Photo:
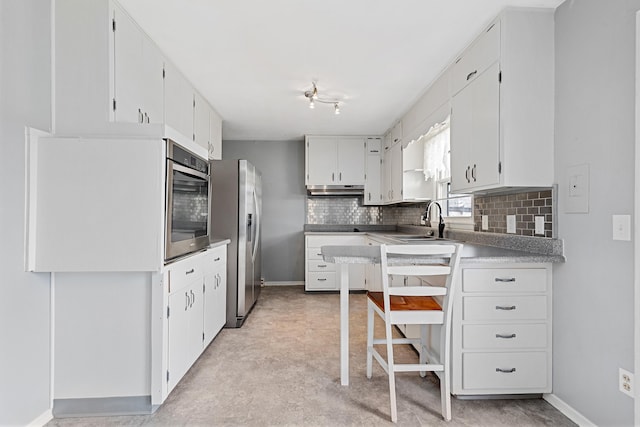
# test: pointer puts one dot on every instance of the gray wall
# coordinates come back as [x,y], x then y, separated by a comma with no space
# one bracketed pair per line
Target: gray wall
[593,290]
[283,203]
[25,100]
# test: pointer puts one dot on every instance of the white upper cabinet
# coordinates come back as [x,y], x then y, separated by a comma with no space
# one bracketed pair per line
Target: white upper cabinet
[107,74]
[373,175]
[178,101]
[321,161]
[137,70]
[110,77]
[502,107]
[475,136]
[335,160]
[215,136]
[392,174]
[484,52]
[396,133]
[351,160]
[201,113]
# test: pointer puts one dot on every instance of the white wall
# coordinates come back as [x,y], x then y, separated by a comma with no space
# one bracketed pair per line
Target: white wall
[593,290]
[24,297]
[283,203]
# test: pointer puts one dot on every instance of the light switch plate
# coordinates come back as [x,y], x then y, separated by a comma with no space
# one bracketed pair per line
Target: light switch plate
[485,222]
[539,221]
[511,224]
[621,227]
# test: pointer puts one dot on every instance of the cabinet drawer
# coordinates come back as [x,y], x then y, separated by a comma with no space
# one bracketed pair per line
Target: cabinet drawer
[477,58]
[319,265]
[504,280]
[182,272]
[505,308]
[314,253]
[215,258]
[504,336]
[505,370]
[321,281]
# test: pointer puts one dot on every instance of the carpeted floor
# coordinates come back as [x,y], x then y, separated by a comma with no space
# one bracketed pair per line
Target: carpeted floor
[282,368]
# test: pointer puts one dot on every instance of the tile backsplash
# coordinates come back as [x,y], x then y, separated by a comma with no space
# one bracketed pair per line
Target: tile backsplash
[525,206]
[341,210]
[350,210]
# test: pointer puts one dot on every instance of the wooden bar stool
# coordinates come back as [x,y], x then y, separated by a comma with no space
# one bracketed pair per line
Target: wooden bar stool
[418,305]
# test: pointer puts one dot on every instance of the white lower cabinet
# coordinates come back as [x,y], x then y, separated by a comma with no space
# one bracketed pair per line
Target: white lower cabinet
[215,292]
[185,329]
[325,276]
[196,308]
[502,330]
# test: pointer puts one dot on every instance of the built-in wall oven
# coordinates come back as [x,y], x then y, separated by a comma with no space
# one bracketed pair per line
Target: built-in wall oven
[187,202]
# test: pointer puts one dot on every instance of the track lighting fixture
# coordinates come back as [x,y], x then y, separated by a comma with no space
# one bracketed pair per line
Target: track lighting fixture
[312,95]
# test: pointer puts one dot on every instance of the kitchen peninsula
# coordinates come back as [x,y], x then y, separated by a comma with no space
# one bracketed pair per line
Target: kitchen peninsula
[502,342]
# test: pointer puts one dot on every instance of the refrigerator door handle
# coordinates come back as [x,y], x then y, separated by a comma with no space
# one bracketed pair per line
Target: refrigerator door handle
[257,224]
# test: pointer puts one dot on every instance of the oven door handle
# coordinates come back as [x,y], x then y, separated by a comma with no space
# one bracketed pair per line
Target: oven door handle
[186,170]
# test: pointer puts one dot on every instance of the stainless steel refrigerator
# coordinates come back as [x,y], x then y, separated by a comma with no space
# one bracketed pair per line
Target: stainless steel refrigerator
[236,211]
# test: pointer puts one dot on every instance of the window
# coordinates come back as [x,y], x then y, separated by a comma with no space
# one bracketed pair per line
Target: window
[457,208]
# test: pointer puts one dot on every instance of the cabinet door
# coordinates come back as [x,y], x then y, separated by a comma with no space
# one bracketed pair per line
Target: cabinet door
[386,176]
[475,137]
[215,294]
[485,149]
[152,82]
[351,158]
[127,66]
[357,276]
[215,136]
[185,330]
[396,172]
[178,101]
[322,155]
[461,139]
[373,183]
[201,112]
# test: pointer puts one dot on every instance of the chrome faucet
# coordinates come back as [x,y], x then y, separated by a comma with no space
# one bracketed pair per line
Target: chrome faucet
[428,218]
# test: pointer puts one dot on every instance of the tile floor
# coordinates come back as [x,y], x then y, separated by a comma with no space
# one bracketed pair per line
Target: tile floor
[282,368]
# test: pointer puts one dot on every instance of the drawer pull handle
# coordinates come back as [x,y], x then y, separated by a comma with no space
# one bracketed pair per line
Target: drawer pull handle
[505,279]
[189,271]
[217,259]
[471,74]
[505,307]
[322,265]
[505,336]
[319,254]
[322,280]
[506,371]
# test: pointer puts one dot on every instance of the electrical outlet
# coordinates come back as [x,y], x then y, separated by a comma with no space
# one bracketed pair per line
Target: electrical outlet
[485,222]
[511,224]
[539,221]
[625,382]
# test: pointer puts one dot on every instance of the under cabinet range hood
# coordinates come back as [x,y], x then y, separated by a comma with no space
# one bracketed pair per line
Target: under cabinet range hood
[335,190]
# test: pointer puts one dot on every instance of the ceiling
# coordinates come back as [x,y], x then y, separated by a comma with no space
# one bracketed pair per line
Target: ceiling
[253,59]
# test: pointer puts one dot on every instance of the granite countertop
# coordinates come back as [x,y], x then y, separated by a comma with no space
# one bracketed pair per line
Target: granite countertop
[478,247]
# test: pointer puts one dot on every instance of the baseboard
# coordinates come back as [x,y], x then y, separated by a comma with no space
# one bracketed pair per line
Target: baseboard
[291,283]
[42,419]
[102,406]
[567,410]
